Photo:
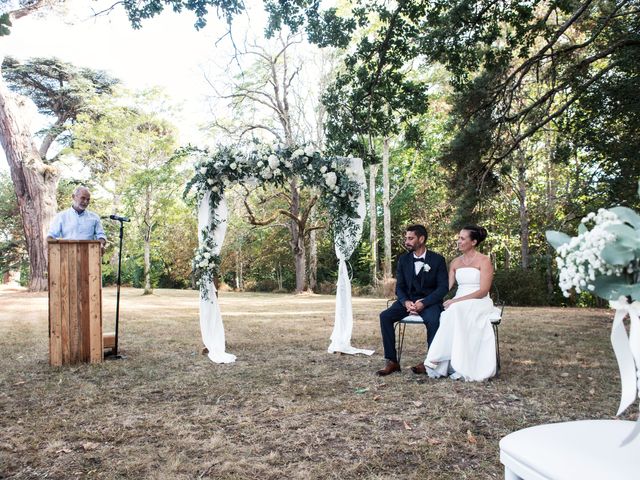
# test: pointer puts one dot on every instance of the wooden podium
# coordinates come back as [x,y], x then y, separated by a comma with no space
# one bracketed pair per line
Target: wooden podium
[75,302]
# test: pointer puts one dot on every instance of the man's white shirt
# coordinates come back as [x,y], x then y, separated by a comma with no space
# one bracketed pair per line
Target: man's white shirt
[418,265]
[71,225]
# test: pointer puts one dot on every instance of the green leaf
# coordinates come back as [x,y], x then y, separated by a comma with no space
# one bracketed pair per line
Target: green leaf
[582,228]
[557,239]
[611,287]
[627,215]
[625,235]
[617,254]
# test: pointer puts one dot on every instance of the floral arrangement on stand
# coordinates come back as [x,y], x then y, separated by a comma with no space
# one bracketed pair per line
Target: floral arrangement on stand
[604,259]
[260,164]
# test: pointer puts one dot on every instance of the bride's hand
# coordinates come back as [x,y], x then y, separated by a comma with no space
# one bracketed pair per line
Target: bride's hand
[448,303]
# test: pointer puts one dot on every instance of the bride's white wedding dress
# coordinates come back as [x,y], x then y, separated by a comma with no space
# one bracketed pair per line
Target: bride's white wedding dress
[464,345]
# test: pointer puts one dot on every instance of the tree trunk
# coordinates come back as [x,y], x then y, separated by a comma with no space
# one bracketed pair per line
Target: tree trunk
[386,211]
[551,207]
[34,182]
[524,217]
[373,221]
[147,264]
[297,238]
[239,276]
[313,261]
[147,243]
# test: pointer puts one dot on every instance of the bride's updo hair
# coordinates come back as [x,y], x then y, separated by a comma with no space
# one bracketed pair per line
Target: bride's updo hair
[476,233]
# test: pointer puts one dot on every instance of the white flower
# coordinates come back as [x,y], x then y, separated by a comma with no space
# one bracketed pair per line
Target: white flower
[203,170]
[276,172]
[308,151]
[203,264]
[323,169]
[218,165]
[273,162]
[206,255]
[233,166]
[288,164]
[260,164]
[210,181]
[334,165]
[330,179]
[266,173]
[426,267]
[298,153]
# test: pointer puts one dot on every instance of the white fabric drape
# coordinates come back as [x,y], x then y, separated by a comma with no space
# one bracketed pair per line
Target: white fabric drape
[211,325]
[345,243]
[627,350]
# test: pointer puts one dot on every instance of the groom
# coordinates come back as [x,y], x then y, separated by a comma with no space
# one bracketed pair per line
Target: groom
[421,284]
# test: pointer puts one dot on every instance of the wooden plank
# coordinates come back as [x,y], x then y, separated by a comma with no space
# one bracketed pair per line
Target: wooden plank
[109,340]
[83,300]
[95,303]
[55,323]
[75,332]
[64,302]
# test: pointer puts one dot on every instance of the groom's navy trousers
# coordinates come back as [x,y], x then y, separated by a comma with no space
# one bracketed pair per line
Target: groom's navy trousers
[429,286]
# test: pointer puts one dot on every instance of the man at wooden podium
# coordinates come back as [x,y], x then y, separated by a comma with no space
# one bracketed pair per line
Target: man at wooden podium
[78,223]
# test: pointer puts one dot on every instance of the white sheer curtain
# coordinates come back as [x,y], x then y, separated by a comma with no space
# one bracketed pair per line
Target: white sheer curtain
[345,243]
[211,325]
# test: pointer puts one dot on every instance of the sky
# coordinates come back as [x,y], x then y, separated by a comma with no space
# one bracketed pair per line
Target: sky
[167,51]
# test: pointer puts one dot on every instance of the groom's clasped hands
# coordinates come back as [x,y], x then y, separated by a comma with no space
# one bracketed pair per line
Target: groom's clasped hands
[414,308]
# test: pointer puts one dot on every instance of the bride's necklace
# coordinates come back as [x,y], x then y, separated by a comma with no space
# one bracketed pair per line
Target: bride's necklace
[468,262]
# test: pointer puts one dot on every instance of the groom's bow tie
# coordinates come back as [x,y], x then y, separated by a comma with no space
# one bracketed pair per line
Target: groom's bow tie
[420,259]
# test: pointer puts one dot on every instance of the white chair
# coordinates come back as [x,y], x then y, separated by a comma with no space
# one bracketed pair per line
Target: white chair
[401,326]
[584,450]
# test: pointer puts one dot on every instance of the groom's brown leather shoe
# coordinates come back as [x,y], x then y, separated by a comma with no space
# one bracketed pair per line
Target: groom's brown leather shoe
[420,368]
[389,368]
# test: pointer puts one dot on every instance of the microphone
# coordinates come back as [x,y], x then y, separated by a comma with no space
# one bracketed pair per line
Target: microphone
[116,217]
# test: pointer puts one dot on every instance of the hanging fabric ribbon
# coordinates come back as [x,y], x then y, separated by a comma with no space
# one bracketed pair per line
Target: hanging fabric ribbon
[627,351]
[345,243]
[211,325]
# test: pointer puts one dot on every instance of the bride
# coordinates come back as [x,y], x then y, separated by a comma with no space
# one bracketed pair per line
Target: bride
[464,345]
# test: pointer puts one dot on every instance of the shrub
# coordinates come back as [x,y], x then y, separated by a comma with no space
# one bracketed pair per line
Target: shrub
[521,287]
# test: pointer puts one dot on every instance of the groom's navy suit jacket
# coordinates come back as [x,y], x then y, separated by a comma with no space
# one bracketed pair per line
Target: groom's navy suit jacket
[428,287]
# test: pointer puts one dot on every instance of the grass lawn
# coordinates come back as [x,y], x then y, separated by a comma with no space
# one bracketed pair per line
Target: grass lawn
[286,408]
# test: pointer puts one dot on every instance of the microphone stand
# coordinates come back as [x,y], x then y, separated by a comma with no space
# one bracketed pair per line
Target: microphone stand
[115,355]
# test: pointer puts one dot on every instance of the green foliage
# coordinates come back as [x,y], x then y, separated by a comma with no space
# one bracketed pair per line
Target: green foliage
[522,288]
[5,23]
[140,10]
[13,254]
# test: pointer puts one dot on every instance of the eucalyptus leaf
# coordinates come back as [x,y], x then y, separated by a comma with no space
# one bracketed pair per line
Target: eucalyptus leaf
[557,239]
[627,215]
[617,254]
[582,228]
[612,287]
[625,236]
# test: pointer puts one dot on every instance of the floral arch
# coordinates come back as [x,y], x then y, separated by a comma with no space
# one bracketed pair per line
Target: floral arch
[341,183]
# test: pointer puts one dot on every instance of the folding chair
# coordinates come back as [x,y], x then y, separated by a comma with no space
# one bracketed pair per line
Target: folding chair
[495,323]
[400,327]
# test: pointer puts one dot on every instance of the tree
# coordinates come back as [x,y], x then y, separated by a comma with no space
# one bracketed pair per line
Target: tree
[266,100]
[60,91]
[131,152]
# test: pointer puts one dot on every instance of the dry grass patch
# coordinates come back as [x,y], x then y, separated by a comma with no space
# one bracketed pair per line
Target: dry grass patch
[286,408]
